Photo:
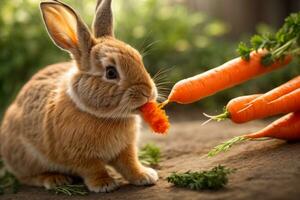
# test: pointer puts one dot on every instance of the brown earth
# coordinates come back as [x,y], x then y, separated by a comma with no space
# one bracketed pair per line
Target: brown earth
[265,169]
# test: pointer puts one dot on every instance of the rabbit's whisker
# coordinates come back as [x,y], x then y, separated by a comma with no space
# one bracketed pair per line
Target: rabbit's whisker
[146,51]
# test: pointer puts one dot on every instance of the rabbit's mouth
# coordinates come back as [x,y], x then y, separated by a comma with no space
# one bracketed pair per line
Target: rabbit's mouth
[138,100]
[137,107]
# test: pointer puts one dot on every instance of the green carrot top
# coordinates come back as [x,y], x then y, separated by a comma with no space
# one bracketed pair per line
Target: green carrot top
[285,42]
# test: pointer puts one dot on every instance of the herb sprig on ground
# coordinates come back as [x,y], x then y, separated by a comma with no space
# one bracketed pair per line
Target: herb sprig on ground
[213,179]
[71,190]
[285,42]
[225,146]
[150,154]
[8,184]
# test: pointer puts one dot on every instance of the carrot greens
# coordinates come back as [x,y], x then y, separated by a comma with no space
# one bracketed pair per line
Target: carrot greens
[226,145]
[285,42]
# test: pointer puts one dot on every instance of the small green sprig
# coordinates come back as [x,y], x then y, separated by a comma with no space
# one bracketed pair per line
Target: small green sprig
[150,154]
[285,42]
[213,179]
[225,146]
[70,190]
[8,183]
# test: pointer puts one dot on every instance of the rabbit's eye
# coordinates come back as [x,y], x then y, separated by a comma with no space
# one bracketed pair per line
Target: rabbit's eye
[111,73]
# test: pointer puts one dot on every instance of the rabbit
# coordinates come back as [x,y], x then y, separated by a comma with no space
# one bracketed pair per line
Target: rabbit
[77,118]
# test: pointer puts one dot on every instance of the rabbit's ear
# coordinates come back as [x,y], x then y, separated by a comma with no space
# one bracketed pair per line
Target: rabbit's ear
[66,28]
[103,21]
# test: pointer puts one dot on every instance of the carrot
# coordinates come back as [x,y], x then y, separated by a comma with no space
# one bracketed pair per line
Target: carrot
[278,92]
[155,117]
[234,106]
[285,128]
[282,105]
[225,76]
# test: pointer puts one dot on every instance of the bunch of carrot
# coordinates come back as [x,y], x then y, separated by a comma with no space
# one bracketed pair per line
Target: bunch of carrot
[281,100]
[267,53]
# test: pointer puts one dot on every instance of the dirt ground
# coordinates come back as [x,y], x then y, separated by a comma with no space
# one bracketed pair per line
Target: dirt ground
[265,169]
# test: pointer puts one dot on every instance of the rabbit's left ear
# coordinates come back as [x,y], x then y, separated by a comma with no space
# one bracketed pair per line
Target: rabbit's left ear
[103,21]
[67,29]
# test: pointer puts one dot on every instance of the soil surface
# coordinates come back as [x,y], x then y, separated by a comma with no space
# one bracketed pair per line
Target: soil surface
[265,169]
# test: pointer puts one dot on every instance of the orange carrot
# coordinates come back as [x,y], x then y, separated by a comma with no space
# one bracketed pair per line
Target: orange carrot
[240,103]
[234,106]
[227,75]
[155,117]
[282,105]
[285,128]
[279,91]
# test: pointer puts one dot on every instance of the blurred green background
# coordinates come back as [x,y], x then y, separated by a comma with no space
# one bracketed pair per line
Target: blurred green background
[182,37]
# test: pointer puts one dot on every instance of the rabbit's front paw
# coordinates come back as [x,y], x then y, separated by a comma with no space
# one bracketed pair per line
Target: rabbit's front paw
[148,177]
[102,185]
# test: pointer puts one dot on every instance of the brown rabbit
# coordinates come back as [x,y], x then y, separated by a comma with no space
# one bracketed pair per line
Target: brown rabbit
[74,118]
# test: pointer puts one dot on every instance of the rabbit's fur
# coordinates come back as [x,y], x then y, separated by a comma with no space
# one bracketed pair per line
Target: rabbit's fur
[74,118]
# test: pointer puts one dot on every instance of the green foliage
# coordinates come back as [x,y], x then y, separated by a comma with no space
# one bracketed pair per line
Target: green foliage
[150,154]
[24,45]
[70,190]
[244,51]
[213,179]
[8,183]
[285,42]
[170,36]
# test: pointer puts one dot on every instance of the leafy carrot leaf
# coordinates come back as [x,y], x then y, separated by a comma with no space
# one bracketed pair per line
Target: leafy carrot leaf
[257,41]
[285,42]
[244,51]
